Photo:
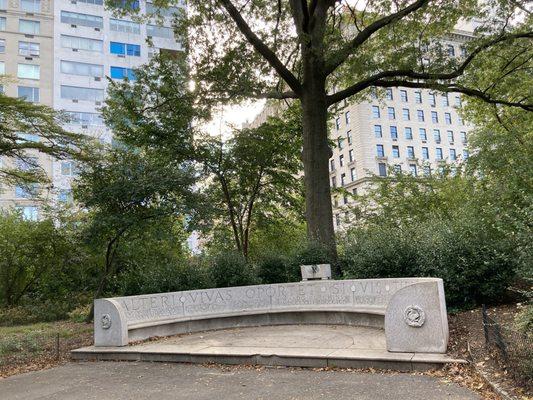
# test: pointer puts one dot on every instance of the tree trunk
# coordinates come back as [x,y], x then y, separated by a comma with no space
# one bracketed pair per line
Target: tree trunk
[316,154]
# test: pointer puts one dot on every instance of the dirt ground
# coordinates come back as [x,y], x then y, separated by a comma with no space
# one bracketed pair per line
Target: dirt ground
[467,340]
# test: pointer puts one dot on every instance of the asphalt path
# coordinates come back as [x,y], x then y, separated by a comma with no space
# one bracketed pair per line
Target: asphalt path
[138,380]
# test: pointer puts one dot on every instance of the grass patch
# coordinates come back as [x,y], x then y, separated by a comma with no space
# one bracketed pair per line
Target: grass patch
[22,344]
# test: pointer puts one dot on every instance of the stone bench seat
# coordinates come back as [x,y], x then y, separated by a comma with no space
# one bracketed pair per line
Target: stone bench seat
[412,311]
[379,310]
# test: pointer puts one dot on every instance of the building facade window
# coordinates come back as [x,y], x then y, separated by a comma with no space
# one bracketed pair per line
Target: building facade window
[397,169]
[450,136]
[341,160]
[28,71]
[410,152]
[94,2]
[418,97]
[396,151]
[464,139]
[119,25]
[2,23]
[3,4]
[451,50]
[453,155]
[393,132]
[332,165]
[408,133]
[432,100]
[73,18]
[412,169]
[380,150]
[406,115]
[403,95]
[338,123]
[340,143]
[30,94]
[425,153]
[375,112]
[80,43]
[160,31]
[333,182]
[2,68]
[458,101]
[347,117]
[434,117]
[162,11]
[26,192]
[82,69]
[84,118]
[438,152]
[29,49]
[378,131]
[343,179]
[382,169]
[353,174]
[66,168]
[2,46]
[388,94]
[350,155]
[125,49]
[445,100]
[391,112]
[82,93]
[30,6]
[29,213]
[349,137]
[436,135]
[465,154]
[420,115]
[65,196]
[422,133]
[29,27]
[122,73]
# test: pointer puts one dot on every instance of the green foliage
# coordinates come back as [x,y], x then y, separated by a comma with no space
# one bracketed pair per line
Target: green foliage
[251,178]
[524,321]
[274,269]
[231,269]
[18,118]
[475,265]
[35,257]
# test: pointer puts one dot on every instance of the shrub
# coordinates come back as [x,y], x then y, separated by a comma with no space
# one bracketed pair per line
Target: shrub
[231,269]
[273,269]
[476,266]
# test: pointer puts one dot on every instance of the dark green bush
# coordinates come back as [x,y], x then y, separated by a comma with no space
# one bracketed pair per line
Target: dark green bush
[231,269]
[165,277]
[274,269]
[474,263]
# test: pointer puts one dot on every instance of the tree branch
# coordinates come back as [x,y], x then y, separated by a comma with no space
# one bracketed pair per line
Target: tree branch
[451,88]
[411,74]
[261,47]
[277,95]
[337,59]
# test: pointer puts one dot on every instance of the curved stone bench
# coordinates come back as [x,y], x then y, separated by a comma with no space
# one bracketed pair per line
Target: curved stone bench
[411,310]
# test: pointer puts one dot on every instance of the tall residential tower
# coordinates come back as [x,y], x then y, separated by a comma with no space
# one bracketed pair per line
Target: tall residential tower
[61,53]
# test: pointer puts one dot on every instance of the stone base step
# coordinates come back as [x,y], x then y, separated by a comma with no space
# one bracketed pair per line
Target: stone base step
[290,357]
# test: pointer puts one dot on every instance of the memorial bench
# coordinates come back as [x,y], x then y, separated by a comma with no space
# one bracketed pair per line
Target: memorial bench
[412,311]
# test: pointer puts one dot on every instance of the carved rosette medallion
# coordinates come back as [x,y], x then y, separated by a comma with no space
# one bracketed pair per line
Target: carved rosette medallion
[414,316]
[106,321]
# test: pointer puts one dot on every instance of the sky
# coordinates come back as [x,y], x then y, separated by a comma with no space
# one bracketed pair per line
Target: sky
[233,116]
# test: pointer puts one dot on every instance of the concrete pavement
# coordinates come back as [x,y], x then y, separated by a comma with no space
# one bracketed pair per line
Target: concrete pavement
[136,380]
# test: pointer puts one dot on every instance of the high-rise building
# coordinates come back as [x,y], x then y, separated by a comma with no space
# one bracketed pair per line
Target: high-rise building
[61,53]
[413,131]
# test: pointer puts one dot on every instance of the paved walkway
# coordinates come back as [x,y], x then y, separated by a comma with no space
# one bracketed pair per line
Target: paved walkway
[134,380]
[287,345]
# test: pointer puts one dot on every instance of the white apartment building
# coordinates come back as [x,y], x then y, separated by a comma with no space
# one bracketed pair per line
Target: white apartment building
[61,53]
[412,131]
